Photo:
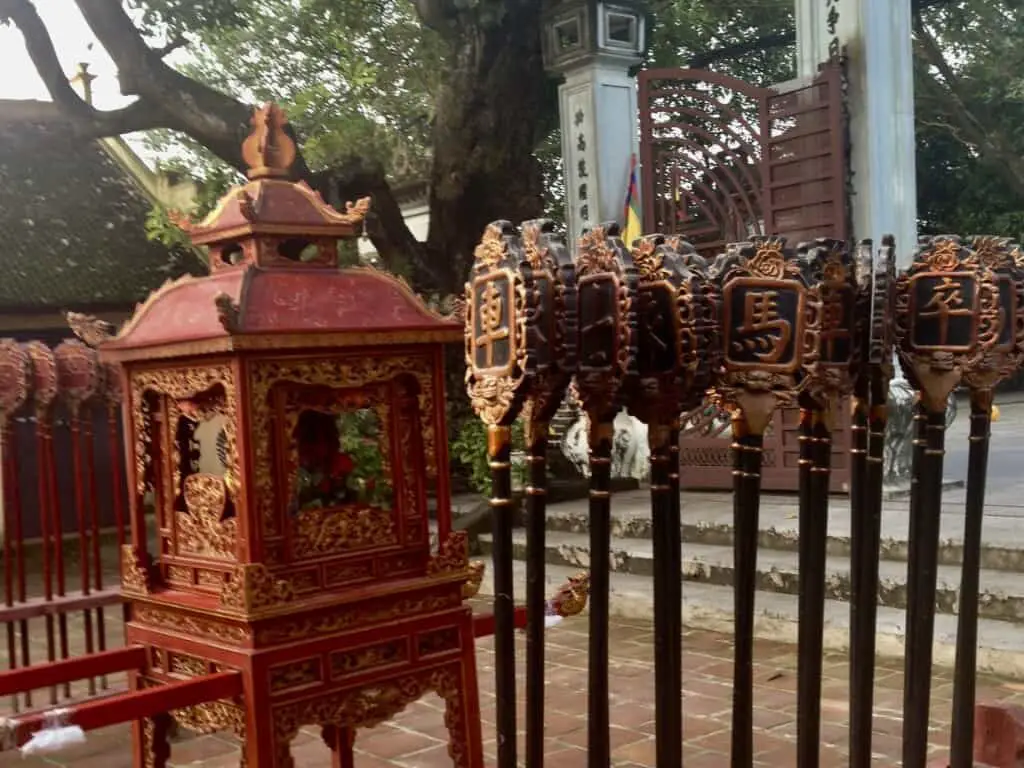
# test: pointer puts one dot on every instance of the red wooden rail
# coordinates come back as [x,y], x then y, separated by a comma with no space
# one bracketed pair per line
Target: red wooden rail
[131,705]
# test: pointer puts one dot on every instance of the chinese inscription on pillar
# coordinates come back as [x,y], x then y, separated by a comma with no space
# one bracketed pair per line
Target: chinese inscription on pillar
[832,27]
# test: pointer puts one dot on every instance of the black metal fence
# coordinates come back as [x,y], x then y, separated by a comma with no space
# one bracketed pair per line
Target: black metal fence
[658,329]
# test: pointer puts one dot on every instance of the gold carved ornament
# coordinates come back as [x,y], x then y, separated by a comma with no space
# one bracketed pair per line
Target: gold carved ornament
[355,372]
[190,625]
[345,617]
[253,588]
[187,384]
[135,572]
[496,301]
[452,555]
[360,659]
[297,674]
[936,369]
[212,717]
[571,597]
[372,705]
[471,588]
[202,529]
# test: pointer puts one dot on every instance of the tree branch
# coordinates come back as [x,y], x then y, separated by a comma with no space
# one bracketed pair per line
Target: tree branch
[757,44]
[990,144]
[171,46]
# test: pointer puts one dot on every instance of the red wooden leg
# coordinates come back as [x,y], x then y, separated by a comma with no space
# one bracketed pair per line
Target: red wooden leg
[341,741]
[150,743]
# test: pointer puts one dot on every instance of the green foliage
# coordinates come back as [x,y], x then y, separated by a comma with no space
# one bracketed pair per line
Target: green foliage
[360,437]
[469,448]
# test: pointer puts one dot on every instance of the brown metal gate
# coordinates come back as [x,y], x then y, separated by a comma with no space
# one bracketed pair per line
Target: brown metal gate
[722,161]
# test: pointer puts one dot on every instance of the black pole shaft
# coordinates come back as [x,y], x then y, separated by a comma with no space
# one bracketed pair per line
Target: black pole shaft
[925,512]
[499,448]
[860,721]
[598,737]
[962,740]
[813,550]
[667,609]
[676,584]
[866,533]
[536,508]
[748,449]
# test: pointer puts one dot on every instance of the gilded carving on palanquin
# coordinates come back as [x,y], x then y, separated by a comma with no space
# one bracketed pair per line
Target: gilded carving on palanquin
[253,588]
[355,372]
[296,674]
[212,717]
[135,579]
[188,386]
[368,657]
[438,641]
[189,625]
[202,528]
[344,617]
[188,666]
[474,580]
[369,706]
[452,555]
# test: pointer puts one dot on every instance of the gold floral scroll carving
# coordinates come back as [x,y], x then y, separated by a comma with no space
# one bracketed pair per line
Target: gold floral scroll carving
[452,555]
[254,588]
[317,532]
[369,706]
[134,571]
[201,529]
[186,384]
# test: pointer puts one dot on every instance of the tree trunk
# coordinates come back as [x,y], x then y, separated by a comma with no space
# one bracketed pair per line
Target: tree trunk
[492,112]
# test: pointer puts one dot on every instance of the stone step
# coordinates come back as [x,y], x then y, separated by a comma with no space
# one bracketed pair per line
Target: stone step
[710,607]
[707,518]
[1002,593]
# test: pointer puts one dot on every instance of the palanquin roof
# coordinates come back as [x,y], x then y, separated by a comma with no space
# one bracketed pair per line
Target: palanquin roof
[255,296]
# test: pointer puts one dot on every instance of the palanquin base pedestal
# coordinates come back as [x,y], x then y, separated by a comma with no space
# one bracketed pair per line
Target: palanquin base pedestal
[338,663]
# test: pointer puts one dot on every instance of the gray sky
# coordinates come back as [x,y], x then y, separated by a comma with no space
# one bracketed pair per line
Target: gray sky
[71,37]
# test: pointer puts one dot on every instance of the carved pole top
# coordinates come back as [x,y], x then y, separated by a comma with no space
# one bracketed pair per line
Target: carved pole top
[268,151]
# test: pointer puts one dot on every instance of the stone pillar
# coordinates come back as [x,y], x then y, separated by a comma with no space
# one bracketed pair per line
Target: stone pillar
[597,104]
[593,45]
[877,38]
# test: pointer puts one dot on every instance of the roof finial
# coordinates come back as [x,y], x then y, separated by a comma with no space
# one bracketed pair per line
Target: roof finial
[268,151]
[83,79]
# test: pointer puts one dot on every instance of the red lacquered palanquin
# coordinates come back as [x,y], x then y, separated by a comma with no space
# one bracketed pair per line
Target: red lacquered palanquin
[285,418]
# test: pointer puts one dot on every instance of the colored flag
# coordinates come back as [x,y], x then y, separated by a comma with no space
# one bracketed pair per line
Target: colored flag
[633,228]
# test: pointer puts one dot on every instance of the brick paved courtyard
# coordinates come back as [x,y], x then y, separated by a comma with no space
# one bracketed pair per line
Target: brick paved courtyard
[416,738]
